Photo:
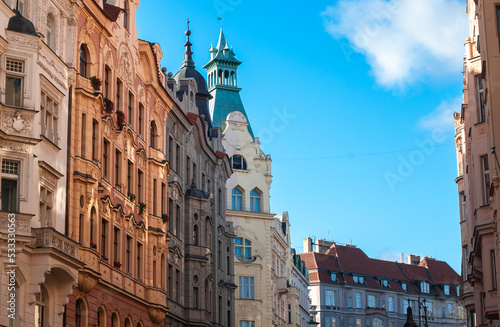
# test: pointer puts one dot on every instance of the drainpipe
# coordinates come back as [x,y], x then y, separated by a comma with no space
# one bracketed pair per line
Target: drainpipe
[68,159]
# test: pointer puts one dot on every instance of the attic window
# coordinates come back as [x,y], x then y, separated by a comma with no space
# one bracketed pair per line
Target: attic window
[384,283]
[446,289]
[403,285]
[424,287]
[238,162]
[333,276]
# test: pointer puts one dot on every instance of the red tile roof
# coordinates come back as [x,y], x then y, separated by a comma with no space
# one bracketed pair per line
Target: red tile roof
[111,12]
[192,117]
[440,271]
[220,154]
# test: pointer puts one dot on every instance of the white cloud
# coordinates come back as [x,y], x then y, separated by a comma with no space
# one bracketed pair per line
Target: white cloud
[404,40]
[390,256]
[442,116]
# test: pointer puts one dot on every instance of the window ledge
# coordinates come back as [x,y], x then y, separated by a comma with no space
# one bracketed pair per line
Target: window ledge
[43,137]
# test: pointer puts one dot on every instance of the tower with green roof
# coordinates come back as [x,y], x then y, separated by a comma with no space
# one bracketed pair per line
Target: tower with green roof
[222,80]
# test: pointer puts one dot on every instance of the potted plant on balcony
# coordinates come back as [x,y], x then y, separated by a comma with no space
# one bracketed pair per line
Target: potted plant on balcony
[117,264]
[120,118]
[164,217]
[142,207]
[131,196]
[95,82]
[108,105]
[93,246]
[104,257]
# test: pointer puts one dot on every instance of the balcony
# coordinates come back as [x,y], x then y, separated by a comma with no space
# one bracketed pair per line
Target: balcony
[47,237]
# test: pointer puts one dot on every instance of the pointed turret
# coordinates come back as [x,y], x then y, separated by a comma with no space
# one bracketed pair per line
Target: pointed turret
[222,77]
[188,54]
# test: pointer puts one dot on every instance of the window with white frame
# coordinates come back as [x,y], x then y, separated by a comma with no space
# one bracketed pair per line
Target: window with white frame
[450,310]
[14,82]
[51,31]
[238,162]
[372,301]
[255,201]
[49,116]
[243,248]
[10,185]
[355,279]
[246,287]
[429,308]
[330,297]
[404,286]
[390,307]
[486,178]
[446,289]
[480,98]
[46,205]
[333,277]
[424,287]
[236,199]
[358,300]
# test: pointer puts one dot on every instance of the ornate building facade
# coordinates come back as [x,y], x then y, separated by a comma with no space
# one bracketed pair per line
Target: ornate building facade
[39,261]
[347,289]
[478,165]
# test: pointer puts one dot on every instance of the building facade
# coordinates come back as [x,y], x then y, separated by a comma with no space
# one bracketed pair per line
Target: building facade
[39,261]
[347,288]
[478,165]
[299,301]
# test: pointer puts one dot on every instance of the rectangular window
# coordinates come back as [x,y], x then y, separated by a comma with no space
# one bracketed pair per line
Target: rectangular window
[177,285]
[107,77]
[10,186]
[130,176]
[358,300]
[105,159]
[465,262]
[83,139]
[14,83]
[170,214]
[46,204]
[104,238]
[246,287]
[140,182]
[446,289]
[493,269]
[131,109]
[480,98]
[141,120]
[246,323]
[177,220]
[349,302]
[177,158]
[169,281]
[372,301]
[429,309]
[424,287]
[450,310]
[118,175]
[95,133]
[139,260]
[163,198]
[463,207]
[330,297]
[170,150]
[119,85]
[116,244]
[155,201]
[49,117]
[486,178]
[390,304]
[188,170]
[359,322]
[128,258]
[195,298]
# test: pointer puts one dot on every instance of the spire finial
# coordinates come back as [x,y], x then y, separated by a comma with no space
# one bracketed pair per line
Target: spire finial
[188,54]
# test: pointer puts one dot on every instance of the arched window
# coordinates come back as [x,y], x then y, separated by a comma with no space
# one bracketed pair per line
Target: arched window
[226,76]
[101,317]
[254,201]
[84,60]
[195,235]
[152,134]
[80,314]
[115,321]
[41,308]
[238,162]
[243,248]
[128,322]
[237,197]
[51,31]
[125,16]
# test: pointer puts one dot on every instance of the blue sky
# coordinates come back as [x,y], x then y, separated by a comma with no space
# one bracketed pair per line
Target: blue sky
[361,93]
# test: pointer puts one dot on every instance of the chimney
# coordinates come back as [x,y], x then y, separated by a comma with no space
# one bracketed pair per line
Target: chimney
[308,244]
[413,259]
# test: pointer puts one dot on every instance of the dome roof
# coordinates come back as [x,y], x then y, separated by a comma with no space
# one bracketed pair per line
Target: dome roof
[190,72]
[20,24]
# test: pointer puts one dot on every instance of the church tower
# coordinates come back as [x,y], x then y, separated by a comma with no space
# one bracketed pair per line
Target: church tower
[222,79]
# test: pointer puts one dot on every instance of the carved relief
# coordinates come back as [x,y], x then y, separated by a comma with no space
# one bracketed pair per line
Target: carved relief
[32,44]
[125,68]
[16,147]
[17,123]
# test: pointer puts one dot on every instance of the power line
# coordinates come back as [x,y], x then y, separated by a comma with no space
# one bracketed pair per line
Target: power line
[365,154]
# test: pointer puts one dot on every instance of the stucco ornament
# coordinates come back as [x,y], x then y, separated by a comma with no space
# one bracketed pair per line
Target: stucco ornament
[17,123]
[125,67]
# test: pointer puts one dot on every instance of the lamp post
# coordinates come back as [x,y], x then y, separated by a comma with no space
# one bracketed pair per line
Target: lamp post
[423,305]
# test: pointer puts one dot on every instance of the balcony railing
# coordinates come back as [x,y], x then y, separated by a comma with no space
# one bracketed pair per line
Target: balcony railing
[47,237]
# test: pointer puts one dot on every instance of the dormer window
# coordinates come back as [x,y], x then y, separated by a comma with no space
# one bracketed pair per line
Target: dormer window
[333,276]
[238,162]
[355,279]
[384,283]
[361,280]
[424,287]
[446,289]
[358,279]
[404,286]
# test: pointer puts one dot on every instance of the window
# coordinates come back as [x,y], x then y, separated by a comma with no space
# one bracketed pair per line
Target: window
[355,279]
[424,287]
[130,109]
[46,205]
[152,135]
[238,162]
[177,158]
[384,283]
[429,309]
[254,201]
[330,321]
[49,116]
[486,178]
[130,176]
[358,300]
[128,255]
[84,60]
[237,197]
[246,287]
[169,281]
[118,175]
[450,310]
[390,304]
[10,186]
[51,29]
[349,302]
[107,77]
[119,86]
[242,247]
[125,15]
[105,159]
[463,207]
[446,289]
[177,220]
[14,83]
[116,244]
[403,285]
[493,270]
[361,280]
[95,133]
[372,301]
[155,201]
[333,277]
[177,285]
[41,301]
[115,321]
[139,260]
[195,235]
[83,140]
[140,182]
[480,98]
[141,119]
[101,317]
[246,323]
[104,237]
[196,299]
[330,297]
[359,322]
[377,322]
